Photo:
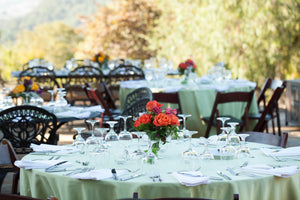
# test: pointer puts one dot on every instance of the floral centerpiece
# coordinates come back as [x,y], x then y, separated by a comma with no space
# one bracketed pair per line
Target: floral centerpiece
[186,65]
[158,124]
[26,89]
[101,59]
[186,68]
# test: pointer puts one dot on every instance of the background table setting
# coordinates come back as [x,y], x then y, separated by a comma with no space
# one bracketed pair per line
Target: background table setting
[196,97]
[102,175]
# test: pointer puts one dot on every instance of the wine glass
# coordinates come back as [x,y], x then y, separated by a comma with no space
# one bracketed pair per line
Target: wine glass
[79,142]
[111,135]
[51,102]
[223,136]
[227,151]
[92,141]
[139,135]
[184,130]
[100,135]
[233,137]
[190,151]
[125,137]
[243,151]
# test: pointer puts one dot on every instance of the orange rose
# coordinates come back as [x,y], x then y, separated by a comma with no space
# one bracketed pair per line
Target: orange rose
[144,119]
[152,104]
[162,120]
[174,120]
[34,87]
[18,89]
[25,78]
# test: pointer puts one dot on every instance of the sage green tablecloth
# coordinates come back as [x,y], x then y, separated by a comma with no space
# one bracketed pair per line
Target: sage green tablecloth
[198,99]
[38,183]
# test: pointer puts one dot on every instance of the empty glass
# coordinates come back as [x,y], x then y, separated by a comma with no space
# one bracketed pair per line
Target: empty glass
[79,142]
[111,135]
[223,136]
[92,141]
[190,151]
[184,131]
[233,137]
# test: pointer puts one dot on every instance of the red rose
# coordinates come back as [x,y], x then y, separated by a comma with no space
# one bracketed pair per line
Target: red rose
[152,104]
[189,62]
[162,120]
[182,66]
[144,119]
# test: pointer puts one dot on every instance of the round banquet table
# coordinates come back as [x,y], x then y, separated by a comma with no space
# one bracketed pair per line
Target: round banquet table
[41,184]
[197,98]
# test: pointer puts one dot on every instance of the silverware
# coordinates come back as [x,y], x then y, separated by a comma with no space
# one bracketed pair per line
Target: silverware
[81,170]
[131,177]
[223,175]
[231,171]
[54,166]
[114,173]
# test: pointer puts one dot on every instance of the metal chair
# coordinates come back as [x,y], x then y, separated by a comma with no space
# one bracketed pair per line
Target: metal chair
[123,73]
[137,94]
[76,80]
[26,124]
[44,77]
[222,98]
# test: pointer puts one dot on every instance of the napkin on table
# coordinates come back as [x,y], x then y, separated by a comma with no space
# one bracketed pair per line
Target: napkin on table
[291,151]
[191,178]
[40,164]
[53,148]
[99,174]
[284,172]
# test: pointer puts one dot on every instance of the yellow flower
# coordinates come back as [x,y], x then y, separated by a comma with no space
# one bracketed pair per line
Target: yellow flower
[25,78]
[34,87]
[100,59]
[18,89]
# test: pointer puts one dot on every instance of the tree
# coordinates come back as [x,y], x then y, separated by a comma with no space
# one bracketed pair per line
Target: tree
[121,30]
[54,42]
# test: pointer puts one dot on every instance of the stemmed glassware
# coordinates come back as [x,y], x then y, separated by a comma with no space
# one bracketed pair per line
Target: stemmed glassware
[223,136]
[227,151]
[233,137]
[243,150]
[111,135]
[124,138]
[79,142]
[51,102]
[92,141]
[184,130]
[139,135]
[102,143]
[190,151]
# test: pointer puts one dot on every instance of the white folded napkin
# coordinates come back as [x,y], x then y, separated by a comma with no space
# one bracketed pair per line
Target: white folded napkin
[241,82]
[171,89]
[191,178]
[99,174]
[53,148]
[94,108]
[291,151]
[71,113]
[266,169]
[40,164]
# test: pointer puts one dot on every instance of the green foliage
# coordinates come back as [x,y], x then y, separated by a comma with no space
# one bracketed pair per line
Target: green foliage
[54,42]
[255,39]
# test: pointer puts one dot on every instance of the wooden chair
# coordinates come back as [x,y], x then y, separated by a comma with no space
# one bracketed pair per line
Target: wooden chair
[172,98]
[137,94]
[266,115]
[267,138]
[76,80]
[269,86]
[230,97]
[122,73]
[44,77]
[23,125]
[107,95]
[21,197]
[12,168]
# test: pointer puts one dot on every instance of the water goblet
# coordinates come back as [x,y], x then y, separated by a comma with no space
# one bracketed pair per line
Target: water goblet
[79,142]
[111,135]
[51,102]
[184,130]
[102,146]
[190,151]
[243,150]
[92,141]
[139,135]
[233,137]
[223,135]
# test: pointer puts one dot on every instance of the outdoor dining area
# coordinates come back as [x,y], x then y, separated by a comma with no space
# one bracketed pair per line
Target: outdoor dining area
[148,132]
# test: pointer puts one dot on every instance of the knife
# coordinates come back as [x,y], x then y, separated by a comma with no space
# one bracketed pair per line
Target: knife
[223,175]
[53,166]
[231,171]
[131,177]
